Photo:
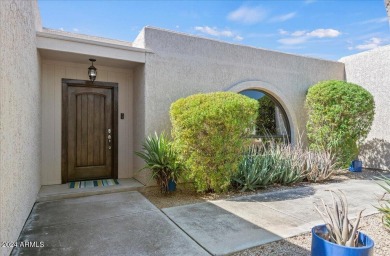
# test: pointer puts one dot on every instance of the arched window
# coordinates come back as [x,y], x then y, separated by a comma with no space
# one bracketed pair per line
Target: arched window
[272,121]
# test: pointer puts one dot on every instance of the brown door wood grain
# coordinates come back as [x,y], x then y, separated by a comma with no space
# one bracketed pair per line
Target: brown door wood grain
[90,131]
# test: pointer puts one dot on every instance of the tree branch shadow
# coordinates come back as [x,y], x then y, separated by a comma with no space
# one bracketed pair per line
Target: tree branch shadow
[375,154]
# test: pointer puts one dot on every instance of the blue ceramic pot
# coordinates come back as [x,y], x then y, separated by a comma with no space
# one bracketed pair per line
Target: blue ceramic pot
[356,166]
[171,185]
[321,247]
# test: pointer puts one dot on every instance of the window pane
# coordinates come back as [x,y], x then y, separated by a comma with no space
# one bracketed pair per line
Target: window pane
[272,119]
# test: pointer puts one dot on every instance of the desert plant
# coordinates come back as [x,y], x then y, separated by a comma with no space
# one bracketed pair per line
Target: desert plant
[340,230]
[271,161]
[210,131]
[385,206]
[340,115]
[319,165]
[254,171]
[286,162]
[162,159]
[267,164]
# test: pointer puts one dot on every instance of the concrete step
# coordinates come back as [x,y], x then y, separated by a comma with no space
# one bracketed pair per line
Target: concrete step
[62,191]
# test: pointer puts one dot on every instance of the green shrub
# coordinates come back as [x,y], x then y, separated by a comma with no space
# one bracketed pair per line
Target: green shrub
[209,131]
[162,159]
[340,117]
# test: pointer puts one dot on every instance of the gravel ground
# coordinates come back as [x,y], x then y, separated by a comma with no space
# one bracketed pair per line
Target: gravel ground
[300,245]
[294,246]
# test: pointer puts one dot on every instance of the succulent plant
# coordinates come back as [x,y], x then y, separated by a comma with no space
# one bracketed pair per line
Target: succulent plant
[385,202]
[319,165]
[162,159]
[340,229]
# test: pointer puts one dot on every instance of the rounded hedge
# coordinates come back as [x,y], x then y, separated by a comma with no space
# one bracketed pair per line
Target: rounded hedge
[340,115]
[209,132]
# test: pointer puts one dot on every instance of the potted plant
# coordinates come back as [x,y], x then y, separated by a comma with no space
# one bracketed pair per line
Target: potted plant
[162,160]
[338,236]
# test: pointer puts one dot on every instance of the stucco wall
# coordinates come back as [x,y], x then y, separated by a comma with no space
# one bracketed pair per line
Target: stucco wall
[371,70]
[139,121]
[20,125]
[52,73]
[181,65]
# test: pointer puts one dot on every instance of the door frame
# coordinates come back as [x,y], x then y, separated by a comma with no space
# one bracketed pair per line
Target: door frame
[64,132]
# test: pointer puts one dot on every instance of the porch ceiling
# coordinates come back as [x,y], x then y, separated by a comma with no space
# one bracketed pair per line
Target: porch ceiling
[74,48]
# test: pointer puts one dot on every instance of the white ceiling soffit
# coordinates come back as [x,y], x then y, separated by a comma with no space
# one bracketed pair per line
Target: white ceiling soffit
[66,48]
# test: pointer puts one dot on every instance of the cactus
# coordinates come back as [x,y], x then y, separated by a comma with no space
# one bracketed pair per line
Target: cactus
[340,229]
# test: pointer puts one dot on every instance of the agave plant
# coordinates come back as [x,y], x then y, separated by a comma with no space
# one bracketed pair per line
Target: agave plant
[162,159]
[340,229]
[254,171]
[265,164]
[385,207]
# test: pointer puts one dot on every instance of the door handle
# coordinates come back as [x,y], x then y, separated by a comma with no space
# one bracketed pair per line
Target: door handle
[109,138]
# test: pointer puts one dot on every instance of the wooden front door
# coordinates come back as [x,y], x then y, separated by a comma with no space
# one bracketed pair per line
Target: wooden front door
[89,130]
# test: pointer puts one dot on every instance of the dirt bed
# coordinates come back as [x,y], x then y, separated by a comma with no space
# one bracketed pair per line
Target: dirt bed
[186,193]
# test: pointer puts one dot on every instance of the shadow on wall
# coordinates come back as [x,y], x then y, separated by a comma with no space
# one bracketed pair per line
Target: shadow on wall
[375,154]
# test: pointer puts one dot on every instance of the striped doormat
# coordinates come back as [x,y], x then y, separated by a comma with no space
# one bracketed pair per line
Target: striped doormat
[93,183]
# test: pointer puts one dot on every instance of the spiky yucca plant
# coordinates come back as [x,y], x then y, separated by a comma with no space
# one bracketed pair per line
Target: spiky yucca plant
[319,165]
[340,229]
[162,159]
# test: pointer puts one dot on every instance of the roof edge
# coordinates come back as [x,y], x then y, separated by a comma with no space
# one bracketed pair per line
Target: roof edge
[54,34]
[239,45]
[365,52]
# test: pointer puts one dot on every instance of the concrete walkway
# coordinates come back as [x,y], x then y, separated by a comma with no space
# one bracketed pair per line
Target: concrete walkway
[111,224]
[227,226]
[127,223]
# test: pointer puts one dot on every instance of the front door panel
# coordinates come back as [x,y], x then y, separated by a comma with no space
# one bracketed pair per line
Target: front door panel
[90,124]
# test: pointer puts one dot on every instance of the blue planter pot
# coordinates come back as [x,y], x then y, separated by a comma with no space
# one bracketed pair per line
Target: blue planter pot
[356,166]
[321,247]
[171,185]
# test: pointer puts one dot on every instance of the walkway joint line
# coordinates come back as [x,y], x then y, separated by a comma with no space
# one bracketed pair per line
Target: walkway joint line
[204,248]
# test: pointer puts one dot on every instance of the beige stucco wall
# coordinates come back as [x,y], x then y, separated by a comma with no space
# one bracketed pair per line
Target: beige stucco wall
[181,65]
[139,121]
[52,73]
[20,108]
[371,70]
